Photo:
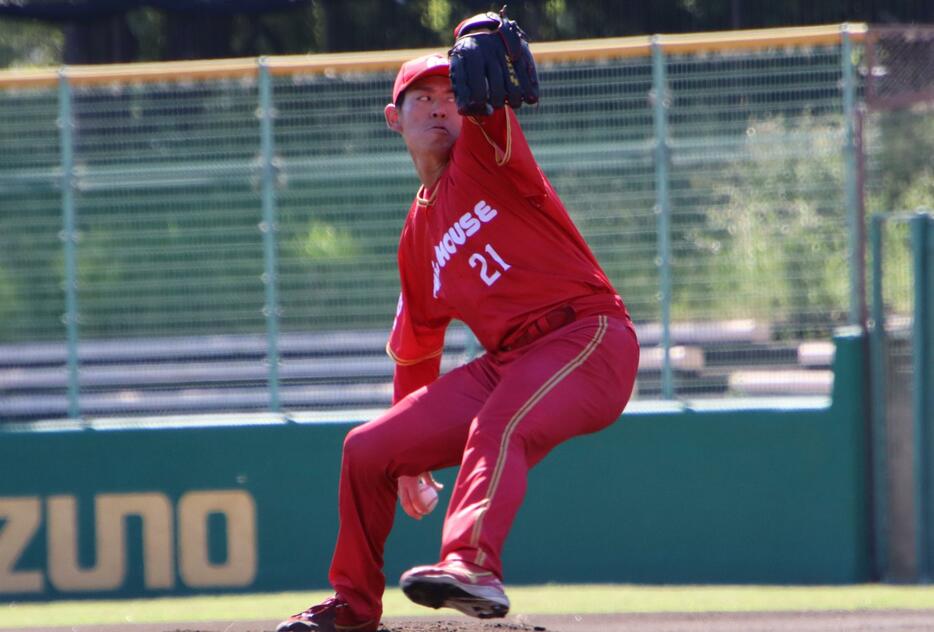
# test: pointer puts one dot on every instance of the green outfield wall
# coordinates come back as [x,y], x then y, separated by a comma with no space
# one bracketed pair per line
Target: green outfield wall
[672,494]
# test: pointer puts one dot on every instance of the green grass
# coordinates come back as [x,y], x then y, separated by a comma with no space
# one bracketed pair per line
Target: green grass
[548,599]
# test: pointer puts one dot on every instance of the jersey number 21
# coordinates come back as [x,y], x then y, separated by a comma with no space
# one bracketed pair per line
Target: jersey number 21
[488,273]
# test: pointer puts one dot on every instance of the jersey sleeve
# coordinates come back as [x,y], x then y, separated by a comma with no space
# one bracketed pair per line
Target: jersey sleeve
[418,329]
[413,340]
[408,378]
[498,141]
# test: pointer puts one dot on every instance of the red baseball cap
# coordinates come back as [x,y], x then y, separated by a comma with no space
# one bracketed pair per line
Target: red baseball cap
[414,69]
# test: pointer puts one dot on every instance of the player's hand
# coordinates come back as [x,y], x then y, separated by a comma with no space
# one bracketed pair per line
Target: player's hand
[408,493]
[491,64]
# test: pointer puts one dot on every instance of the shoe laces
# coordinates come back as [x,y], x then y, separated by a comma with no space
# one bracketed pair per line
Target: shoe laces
[475,574]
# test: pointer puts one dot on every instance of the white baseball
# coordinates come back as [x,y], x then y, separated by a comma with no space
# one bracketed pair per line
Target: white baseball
[427,497]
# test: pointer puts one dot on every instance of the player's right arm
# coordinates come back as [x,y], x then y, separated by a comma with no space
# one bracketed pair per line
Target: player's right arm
[408,378]
[408,488]
[416,348]
[416,341]
[415,345]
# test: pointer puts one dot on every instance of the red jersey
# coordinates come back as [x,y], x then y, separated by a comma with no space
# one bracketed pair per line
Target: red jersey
[491,245]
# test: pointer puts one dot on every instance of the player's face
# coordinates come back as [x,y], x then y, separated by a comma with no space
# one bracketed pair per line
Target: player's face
[428,119]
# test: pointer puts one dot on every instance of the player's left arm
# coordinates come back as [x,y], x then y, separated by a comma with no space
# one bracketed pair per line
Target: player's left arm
[493,73]
[491,65]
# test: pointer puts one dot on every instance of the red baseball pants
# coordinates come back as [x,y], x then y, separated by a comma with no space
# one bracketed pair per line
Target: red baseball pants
[497,417]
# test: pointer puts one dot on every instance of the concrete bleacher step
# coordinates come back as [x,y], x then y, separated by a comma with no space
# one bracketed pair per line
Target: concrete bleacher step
[687,365]
[703,385]
[751,353]
[816,354]
[99,377]
[720,332]
[810,375]
[209,347]
[188,374]
[330,369]
[194,400]
[780,381]
[707,353]
[682,358]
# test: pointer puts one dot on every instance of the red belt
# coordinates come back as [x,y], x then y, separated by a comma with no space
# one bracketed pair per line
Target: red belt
[555,319]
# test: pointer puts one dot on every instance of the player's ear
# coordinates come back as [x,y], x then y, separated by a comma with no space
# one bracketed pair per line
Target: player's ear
[392,117]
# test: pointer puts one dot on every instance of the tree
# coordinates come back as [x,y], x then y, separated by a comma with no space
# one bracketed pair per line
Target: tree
[29,43]
[97,31]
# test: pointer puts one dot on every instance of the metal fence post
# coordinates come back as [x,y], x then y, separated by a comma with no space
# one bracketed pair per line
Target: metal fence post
[850,178]
[926,378]
[661,101]
[270,230]
[919,343]
[69,238]
[877,373]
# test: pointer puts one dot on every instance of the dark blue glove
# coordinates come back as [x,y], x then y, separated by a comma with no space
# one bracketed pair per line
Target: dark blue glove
[491,64]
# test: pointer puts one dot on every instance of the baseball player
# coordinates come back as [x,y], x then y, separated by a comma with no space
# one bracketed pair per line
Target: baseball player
[486,241]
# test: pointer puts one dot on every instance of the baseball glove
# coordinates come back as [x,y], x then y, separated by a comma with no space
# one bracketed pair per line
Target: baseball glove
[491,65]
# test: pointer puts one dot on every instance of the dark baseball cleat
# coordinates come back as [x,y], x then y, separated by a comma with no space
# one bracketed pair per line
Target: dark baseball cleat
[455,584]
[333,615]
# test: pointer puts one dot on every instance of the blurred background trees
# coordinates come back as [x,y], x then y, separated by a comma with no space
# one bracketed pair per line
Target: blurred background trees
[50,32]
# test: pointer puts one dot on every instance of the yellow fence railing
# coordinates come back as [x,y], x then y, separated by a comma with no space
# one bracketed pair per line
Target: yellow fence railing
[570,50]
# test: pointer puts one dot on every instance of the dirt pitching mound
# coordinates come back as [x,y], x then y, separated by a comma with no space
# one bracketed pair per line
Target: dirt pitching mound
[837,621]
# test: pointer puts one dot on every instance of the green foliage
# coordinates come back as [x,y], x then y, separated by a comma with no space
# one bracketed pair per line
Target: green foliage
[897,262]
[31,296]
[148,26]
[10,305]
[340,25]
[901,180]
[324,240]
[905,142]
[774,246]
[437,15]
[169,195]
[27,43]
[897,285]
[920,193]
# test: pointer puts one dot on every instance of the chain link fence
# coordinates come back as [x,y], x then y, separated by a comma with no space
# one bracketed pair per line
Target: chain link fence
[902,326]
[898,141]
[235,252]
